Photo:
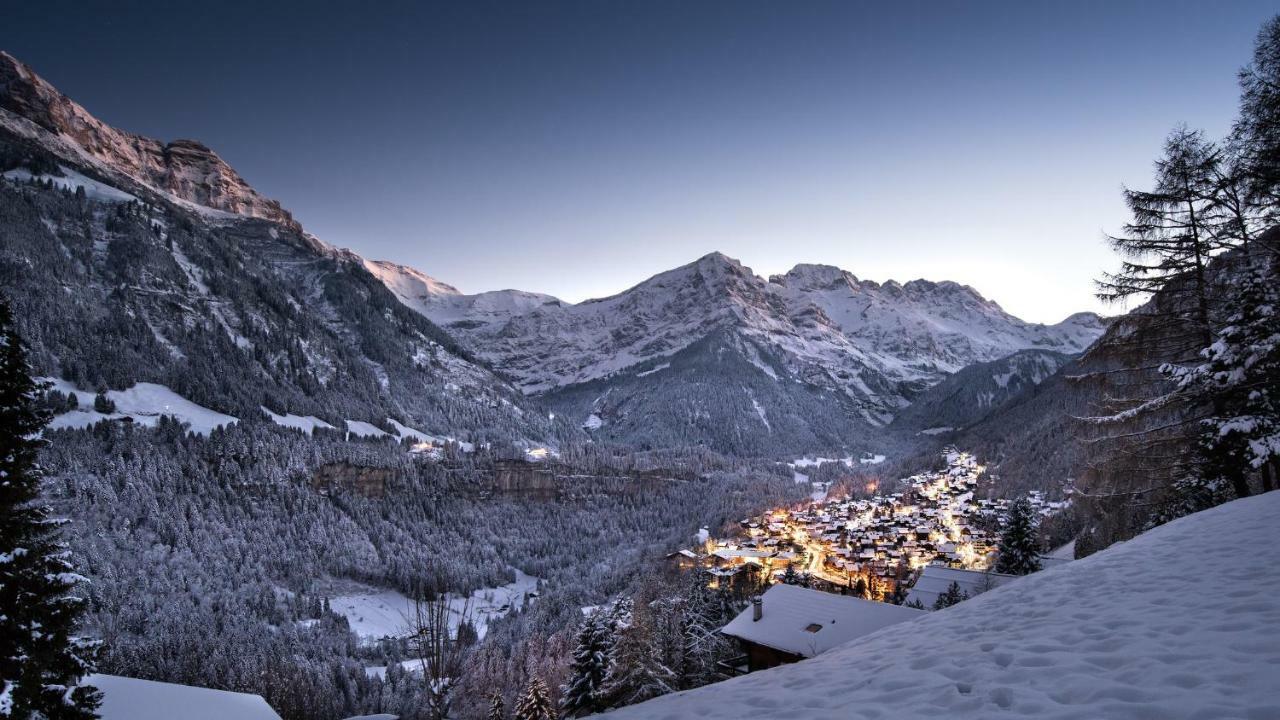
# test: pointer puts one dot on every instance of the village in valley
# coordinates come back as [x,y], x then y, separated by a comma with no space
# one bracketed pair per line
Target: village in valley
[874,547]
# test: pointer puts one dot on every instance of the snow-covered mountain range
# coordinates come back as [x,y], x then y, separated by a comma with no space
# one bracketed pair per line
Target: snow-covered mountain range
[134,261]
[708,353]
[867,345]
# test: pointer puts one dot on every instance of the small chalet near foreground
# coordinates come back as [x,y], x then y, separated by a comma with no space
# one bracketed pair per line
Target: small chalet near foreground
[789,623]
[133,699]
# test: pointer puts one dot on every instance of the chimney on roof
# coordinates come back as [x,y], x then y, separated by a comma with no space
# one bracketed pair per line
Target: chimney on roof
[757,608]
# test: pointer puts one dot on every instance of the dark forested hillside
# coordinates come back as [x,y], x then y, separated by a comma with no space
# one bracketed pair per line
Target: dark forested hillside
[210,558]
[232,314]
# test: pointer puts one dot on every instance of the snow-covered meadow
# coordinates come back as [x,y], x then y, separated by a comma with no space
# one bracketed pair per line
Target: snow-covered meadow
[143,403]
[379,613]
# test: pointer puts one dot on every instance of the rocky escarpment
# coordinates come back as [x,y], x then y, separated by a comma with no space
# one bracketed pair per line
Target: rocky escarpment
[185,169]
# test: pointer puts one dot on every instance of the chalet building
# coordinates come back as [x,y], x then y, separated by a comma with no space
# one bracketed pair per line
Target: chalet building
[687,559]
[126,698]
[934,580]
[789,623]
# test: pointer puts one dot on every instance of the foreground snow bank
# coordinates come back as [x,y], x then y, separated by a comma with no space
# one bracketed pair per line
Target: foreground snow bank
[1181,622]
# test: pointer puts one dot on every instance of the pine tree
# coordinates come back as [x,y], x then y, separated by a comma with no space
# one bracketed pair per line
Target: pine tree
[1241,371]
[497,709]
[952,596]
[41,659]
[1019,545]
[534,702]
[636,670]
[587,669]
[790,576]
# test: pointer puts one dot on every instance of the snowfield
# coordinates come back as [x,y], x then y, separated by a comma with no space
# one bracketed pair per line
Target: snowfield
[1180,622]
[305,423]
[72,180]
[375,613]
[144,403]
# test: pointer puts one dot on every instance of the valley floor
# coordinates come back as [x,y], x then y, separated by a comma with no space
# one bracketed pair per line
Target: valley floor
[1180,622]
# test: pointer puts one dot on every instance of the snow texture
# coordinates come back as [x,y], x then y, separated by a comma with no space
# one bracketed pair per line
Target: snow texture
[132,699]
[1180,622]
[360,428]
[790,614]
[144,403]
[71,180]
[306,423]
[375,614]
[935,580]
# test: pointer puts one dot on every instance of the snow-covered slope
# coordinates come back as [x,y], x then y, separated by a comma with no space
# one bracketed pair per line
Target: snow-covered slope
[445,305]
[1180,622]
[833,330]
[139,264]
[826,348]
[967,396]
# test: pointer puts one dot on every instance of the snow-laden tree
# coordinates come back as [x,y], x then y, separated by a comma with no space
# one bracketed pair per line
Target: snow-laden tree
[1019,552]
[952,596]
[1240,370]
[702,645]
[637,671]
[42,660]
[588,668]
[534,702]
[497,708]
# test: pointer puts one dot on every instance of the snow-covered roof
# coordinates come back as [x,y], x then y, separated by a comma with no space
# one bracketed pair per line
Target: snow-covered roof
[791,614]
[727,554]
[1115,635]
[133,699]
[935,579]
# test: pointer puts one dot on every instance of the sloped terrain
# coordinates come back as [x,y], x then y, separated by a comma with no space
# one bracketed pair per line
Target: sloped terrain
[967,396]
[1117,635]
[127,264]
[837,355]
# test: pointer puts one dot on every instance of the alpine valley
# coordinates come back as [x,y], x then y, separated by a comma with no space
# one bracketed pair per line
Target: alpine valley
[204,351]
[346,486]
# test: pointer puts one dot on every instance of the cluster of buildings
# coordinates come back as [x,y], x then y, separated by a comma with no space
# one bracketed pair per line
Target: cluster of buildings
[873,544]
[933,538]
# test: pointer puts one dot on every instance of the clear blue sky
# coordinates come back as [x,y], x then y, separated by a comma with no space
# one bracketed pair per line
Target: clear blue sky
[577,148]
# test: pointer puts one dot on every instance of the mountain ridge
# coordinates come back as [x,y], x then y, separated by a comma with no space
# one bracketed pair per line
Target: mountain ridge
[158,263]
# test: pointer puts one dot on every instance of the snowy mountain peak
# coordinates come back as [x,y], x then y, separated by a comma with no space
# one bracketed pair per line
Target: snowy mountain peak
[864,347]
[813,276]
[188,170]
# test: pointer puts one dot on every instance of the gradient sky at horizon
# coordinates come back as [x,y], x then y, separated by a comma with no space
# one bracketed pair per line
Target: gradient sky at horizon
[577,148]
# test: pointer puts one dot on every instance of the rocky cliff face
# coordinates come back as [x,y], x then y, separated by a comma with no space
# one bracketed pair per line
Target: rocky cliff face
[185,169]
